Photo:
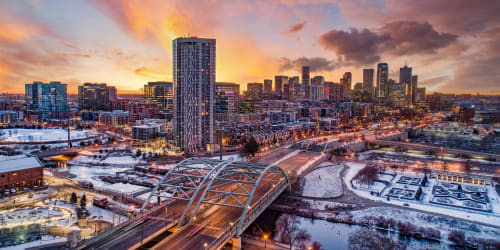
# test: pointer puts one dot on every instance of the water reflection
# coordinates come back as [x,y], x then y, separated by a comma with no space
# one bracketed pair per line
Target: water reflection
[334,235]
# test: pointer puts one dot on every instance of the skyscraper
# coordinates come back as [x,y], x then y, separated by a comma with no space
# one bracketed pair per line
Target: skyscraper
[161,93]
[254,90]
[268,86]
[347,81]
[412,96]
[279,83]
[47,100]
[194,91]
[318,80]
[96,96]
[305,75]
[382,78]
[405,75]
[368,81]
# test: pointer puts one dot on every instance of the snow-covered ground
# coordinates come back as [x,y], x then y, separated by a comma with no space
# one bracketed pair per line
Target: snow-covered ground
[124,187]
[487,218]
[85,173]
[309,163]
[41,135]
[119,160]
[427,220]
[28,216]
[234,157]
[323,182]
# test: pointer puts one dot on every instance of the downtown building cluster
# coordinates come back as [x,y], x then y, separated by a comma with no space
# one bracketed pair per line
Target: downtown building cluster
[194,113]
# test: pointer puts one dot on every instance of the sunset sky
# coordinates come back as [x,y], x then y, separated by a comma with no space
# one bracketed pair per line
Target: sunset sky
[452,45]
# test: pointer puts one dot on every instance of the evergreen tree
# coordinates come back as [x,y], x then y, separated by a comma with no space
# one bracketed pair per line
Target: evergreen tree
[73,199]
[83,201]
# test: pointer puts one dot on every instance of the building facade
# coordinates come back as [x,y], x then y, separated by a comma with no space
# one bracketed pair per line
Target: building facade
[279,83]
[17,174]
[48,101]
[268,86]
[368,81]
[194,91]
[382,79]
[96,96]
[161,93]
[306,75]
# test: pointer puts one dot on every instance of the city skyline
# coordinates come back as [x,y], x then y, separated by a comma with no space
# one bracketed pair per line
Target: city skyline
[44,41]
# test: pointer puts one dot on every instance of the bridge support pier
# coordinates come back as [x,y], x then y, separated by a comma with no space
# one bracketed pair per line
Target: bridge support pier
[236,243]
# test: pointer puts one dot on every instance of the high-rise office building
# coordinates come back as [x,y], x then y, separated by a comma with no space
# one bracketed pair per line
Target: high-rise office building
[382,78]
[412,90]
[254,90]
[347,81]
[279,83]
[96,96]
[305,75]
[290,89]
[194,91]
[47,100]
[405,75]
[368,81]
[420,95]
[268,86]
[161,93]
[318,80]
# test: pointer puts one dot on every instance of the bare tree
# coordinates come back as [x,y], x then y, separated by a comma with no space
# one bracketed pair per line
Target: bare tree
[287,227]
[364,239]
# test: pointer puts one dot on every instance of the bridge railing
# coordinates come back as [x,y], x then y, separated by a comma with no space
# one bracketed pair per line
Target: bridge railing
[256,209]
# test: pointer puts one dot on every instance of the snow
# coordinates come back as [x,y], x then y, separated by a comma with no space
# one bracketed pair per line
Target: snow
[486,218]
[309,163]
[124,187]
[233,157]
[124,160]
[41,135]
[84,173]
[323,182]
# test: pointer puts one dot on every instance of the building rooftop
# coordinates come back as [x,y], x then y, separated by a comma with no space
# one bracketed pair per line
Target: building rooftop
[10,165]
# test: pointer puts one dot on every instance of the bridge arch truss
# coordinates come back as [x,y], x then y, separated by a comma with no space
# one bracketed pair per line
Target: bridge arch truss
[210,182]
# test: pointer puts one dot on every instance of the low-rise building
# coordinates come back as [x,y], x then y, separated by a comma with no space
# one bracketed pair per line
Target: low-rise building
[18,174]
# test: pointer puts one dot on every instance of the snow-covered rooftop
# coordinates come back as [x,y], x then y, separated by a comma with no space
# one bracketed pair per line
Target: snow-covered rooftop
[19,164]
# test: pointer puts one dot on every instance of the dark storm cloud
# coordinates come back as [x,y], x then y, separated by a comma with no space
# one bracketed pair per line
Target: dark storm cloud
[479,72]
[408,37]
[354,46]
[316,64]
[296,27]
[456,16]
[361,47]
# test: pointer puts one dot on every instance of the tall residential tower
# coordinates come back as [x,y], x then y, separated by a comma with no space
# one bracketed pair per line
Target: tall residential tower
[194,91]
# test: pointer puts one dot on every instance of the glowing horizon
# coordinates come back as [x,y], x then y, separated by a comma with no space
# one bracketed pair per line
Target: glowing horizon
[128,43]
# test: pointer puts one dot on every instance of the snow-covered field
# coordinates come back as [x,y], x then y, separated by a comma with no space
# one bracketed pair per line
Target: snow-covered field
[28,216]
[487,218]
[323,182]
[85,173]
[235,157]
[124,187]
[41,135]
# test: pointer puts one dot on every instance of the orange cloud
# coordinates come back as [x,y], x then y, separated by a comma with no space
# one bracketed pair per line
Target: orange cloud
[150,73]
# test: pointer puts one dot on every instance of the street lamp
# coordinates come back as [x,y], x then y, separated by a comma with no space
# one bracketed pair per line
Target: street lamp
[265,240]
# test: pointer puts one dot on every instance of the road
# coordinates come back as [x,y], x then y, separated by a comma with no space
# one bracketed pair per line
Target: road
[133,233]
